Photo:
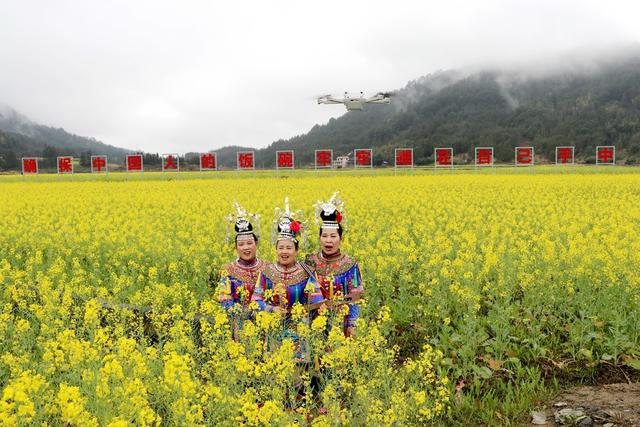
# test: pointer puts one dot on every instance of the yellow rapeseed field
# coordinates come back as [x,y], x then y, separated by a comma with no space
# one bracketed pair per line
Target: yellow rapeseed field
[475,285]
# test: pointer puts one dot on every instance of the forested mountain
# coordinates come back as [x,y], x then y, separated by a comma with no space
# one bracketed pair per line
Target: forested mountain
[20,137]
[586,107]
[590,105]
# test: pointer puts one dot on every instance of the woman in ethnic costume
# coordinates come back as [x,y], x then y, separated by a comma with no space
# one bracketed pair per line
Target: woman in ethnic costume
[287,282]
[238,278]
[338,274]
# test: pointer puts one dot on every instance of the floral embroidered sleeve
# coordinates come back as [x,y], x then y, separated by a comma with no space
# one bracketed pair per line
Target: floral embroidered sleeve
[314,291]
[263,284]
[355,288]
[225,291]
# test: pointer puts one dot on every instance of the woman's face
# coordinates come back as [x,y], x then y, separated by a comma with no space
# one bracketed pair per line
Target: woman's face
[286,252]
[247,249]
[330,241]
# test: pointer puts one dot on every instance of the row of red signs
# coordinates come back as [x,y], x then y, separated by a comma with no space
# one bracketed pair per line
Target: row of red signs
[524,156]
[134,163]
[443,157]
[208,161]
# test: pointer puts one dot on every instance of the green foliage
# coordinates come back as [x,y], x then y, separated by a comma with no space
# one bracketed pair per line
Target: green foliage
[495,109]
[19,137]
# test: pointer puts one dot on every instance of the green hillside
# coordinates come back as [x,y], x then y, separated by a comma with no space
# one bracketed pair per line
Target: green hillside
[600,106]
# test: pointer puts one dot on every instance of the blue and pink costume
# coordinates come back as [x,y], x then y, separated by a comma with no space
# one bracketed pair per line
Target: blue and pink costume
[237,282]
[298,287]
[338,276]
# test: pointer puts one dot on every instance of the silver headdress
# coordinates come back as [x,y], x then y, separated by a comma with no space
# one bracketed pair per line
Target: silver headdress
[330,214]
[288,225]
[243,223]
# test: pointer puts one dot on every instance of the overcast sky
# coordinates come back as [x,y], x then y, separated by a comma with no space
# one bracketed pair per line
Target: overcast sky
[178,76]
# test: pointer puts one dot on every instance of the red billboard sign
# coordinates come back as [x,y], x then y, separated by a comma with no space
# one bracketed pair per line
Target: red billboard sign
[324,158]
[565,155]
[443,157]
[605,155]
[404,157]
[208,162]
[98,164]
[284,159]
[246,160]
[65,164]
[170,163]
[363,158]
[29,165]
[524,156]
[484,156]
[135,163]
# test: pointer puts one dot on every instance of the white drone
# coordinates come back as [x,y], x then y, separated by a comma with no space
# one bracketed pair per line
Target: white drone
[354,103]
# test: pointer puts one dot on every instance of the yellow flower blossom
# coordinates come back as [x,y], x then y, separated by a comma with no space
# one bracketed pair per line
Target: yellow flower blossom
[102,277]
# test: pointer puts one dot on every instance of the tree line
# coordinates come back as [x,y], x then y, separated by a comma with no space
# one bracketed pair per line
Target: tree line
[491,108]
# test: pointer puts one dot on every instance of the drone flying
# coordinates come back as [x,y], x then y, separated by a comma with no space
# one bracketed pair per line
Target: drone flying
[356,103]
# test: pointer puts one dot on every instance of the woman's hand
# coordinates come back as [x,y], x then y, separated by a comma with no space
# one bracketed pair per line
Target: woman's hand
[279,310]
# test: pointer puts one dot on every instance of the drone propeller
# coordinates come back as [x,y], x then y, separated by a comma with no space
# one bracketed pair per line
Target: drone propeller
[321,96]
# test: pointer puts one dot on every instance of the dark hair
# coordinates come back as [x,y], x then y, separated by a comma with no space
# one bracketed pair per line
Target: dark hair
[255,238]
[339,231]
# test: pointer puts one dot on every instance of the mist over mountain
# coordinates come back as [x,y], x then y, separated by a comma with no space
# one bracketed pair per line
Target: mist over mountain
[583,101]
[21,137]
[586,104]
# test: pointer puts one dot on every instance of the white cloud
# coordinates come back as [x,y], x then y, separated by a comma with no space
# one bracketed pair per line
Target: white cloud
[190,76]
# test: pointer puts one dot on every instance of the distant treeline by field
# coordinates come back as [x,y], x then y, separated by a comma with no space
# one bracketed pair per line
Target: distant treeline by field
[585,107]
